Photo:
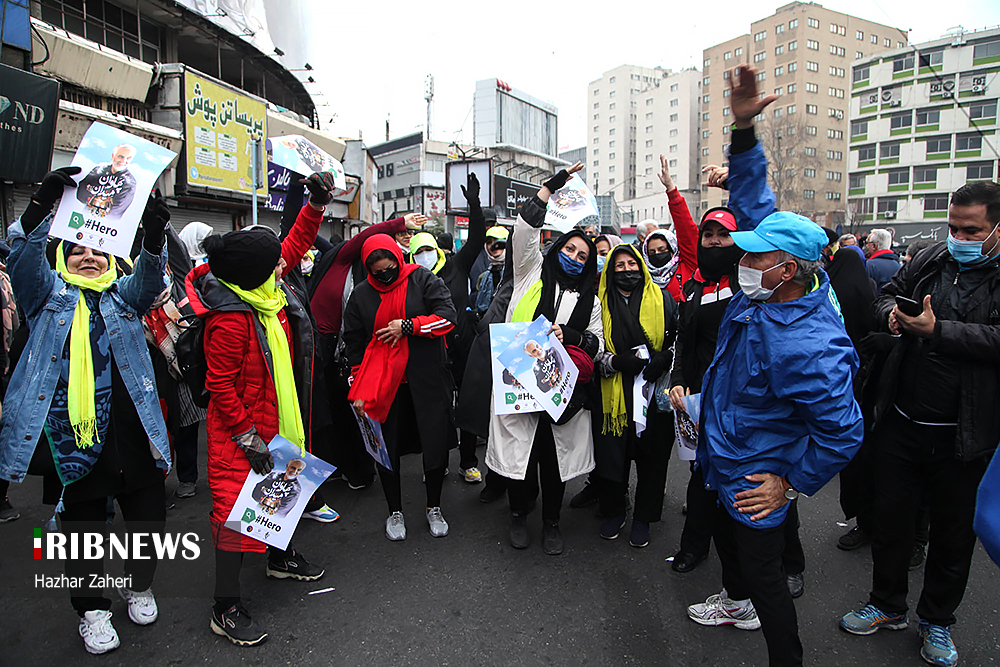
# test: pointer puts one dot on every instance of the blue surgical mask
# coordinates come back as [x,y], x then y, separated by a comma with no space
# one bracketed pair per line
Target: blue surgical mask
[970,253]
[569,265]
[600,263]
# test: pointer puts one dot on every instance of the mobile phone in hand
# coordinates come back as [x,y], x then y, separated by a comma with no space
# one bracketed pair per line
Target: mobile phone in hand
[909,306]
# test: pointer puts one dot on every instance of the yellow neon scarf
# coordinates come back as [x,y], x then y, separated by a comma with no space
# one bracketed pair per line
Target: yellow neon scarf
[424,240]
[268,300]
[653,325]
[81,388]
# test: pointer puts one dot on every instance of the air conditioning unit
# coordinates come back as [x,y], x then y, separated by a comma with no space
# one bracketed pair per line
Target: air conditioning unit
[895,103]
[889,215]
[947,94]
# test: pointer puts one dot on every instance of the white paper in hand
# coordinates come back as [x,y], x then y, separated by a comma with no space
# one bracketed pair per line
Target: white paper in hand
[570,204]
[118,171]
[642,391]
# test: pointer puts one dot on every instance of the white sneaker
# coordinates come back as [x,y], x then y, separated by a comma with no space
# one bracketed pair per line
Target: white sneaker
[395,527]
[472,475]
[436,522]
[141,605]
[98,634]
[720,610]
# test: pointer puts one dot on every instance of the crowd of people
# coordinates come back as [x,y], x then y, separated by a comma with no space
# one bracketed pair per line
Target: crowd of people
[812,355]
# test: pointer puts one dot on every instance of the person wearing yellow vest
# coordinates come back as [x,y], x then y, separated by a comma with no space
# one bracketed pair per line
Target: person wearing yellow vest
[634,311]
[258,342]
[529,449]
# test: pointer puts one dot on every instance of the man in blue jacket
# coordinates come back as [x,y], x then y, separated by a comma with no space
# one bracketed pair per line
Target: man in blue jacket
[778,411]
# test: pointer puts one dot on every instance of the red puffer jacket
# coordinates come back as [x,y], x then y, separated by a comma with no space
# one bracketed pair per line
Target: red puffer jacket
[239,376]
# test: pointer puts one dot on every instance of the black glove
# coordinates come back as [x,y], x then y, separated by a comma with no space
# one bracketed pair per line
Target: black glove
[154,219]
[557,181]
[321,186]
[48,193]
[472,192]
[628,363]
[571,337]
[256,450]
[656,366]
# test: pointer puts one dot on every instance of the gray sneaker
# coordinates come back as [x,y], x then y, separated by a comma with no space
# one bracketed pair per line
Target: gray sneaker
[185,490]
[395,527]
[438,526]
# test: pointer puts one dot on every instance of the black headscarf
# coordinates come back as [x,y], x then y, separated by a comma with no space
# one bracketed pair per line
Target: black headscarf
[553,275]
[626,330]
[855,291]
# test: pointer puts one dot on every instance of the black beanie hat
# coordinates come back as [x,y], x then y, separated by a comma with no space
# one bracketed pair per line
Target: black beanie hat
[244,258]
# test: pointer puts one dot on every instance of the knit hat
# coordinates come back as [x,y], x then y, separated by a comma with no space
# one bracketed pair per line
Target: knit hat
[244,258]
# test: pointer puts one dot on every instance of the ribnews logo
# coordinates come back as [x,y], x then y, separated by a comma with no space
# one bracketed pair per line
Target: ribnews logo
[50,545]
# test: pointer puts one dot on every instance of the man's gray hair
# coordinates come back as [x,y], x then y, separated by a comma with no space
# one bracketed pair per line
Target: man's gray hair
[644,228]
[847,237]
[806,272]
[881,238]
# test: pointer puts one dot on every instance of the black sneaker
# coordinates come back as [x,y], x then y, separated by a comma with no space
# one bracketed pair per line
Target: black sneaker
[236,625]
[293,566]
[552,541]
[8,512]
[853,539]
[587,496]
[519,538]
[918,555]
[612,528]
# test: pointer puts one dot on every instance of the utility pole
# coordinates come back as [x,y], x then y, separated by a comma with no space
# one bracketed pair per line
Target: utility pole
[429,96]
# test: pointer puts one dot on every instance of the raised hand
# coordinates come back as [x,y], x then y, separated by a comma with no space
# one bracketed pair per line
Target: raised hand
[53,185]
[717,176]
[471,190]
[415,220]
[744,100]
[321,186]
[664,174]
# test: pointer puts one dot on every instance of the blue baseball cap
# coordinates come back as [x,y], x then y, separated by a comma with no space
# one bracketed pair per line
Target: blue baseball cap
[797,235]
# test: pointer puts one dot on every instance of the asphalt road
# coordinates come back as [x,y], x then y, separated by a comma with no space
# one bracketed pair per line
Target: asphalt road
[471,599]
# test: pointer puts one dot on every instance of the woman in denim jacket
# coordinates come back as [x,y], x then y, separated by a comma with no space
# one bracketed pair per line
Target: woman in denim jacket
[90,390]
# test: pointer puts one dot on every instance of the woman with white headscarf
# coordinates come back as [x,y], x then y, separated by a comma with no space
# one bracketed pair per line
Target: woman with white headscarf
[192,235]
[672,259]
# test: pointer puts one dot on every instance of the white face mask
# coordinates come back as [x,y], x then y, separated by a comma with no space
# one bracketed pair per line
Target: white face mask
[426,259]
[750,282]
[306,265]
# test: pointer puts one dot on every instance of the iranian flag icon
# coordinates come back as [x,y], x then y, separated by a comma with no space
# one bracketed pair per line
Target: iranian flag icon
[38,543]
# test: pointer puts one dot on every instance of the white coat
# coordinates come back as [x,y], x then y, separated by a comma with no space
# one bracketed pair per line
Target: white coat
[511,436]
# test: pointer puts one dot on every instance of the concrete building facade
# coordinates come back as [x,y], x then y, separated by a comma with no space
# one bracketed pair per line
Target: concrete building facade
[802,53]
[923,123]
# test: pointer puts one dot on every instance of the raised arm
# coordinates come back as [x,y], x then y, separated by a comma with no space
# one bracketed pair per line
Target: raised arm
[684,225]
[473,245]
[750,196]
[526,244]
[303,233]
[293,203]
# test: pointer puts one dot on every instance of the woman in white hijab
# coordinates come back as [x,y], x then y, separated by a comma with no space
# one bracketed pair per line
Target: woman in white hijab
[192,235]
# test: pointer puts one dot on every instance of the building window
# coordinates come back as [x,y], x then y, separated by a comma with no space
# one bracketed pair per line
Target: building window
[813,23]
[673,163]
[859,127]
[899,177]
[793,24]
[982,110]
[793,67]
[704,151]
[595,163]
[611,168]
[737,52]
[836,92]
[792,45]
[597,91]
[860,35]
[835,134]
[758,57]
[611,119]
[674,102]
[706,80]
[861,73]
[874,39]
[936,203]
[967,142]
[837,50]
[866,153]
[931,58]
[833,196]
[902,63]
[889,150]
[611,181]
[811,88]
[809,172]
[761,76]
[611,106]
[809,194]
[886,205]
[811,66]
[864,206]
[834,175]
[979,170]
[810,151]
[760,36]
[835,155]
[705,134]
[939,145]
[901,120]
[704,99]
[673,87]
[612,79]
[778,71]
[925,174]
[779,49]
[858,55]
[837,71]
[811,130]
[725,111]
[673,118]
[780,28]
[611,156]
[887,42]
[611,144]
[790,109]
[792,88]
[727,55]
[649,143]
[856,181]
[596,140]
[107,24]
[989,49]
[673,132]
[673,148]
[812,44]
[928,116]
[778,112]
[611,131]
[811,109]
[705,116]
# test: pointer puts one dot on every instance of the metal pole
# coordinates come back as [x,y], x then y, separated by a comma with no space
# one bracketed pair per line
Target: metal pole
[256,179]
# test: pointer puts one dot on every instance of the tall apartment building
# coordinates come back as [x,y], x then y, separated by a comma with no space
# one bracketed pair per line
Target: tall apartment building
[923,123]
[636,113]
[803,53]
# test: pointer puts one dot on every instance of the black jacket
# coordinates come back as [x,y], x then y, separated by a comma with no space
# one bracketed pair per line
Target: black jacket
[968,335]
[456,274]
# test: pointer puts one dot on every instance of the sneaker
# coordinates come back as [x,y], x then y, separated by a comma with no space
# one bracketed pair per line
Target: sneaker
[869,619]
[519,538]
[236,625]
[587,496]
[552,540]
[141,605]
[472,475]
[853,539]
[98,634]
[796,585]
[324,514]
[918,555]
[719,610]
[7,512]
[938,648]
[436,522]
[185,490]
[395,527]
[612,528]
[639,537]
[293,565]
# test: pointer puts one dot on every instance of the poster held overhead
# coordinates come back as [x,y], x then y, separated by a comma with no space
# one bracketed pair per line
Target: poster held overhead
[570,204]
[118,171]
[298,154]
[269,506]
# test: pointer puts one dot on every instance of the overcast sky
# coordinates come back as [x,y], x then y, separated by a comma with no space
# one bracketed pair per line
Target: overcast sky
[371,58]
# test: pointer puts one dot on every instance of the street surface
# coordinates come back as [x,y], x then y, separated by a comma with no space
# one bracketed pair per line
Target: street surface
[471,599]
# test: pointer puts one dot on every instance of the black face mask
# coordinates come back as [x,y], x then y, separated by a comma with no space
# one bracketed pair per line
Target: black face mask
[659,259]
[717,261]
[627,281]
[387,276]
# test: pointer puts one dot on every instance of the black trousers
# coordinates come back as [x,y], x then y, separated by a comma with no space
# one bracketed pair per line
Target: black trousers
[467,450]
[228,566]
[651,459]
[752,568]
[543,470]
[703,512]
[911,460]
[143,511]
[349,454]
[399,424]
[186,451]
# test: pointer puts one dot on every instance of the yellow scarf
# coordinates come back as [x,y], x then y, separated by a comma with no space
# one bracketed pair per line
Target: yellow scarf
[81,388]
[423,240]
[653,325]
[268,300]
